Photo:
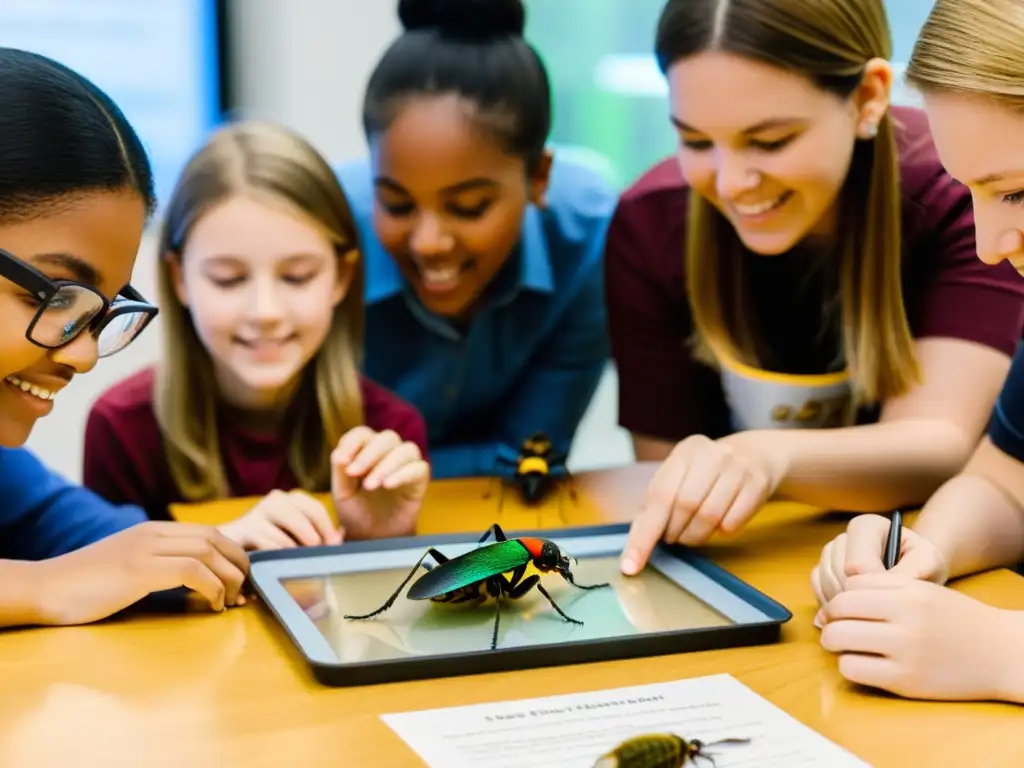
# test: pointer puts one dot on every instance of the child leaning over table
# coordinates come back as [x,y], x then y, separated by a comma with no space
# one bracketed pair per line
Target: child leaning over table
[258,391]
[75,193]
[901,630]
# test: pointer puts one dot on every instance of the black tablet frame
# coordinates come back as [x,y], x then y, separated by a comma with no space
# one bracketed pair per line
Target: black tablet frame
[516,658]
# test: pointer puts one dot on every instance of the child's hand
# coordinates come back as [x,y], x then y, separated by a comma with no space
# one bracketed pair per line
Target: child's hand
[378,483]
[704,486]
[921,640]
[101,579]
[860,550]
[282,520]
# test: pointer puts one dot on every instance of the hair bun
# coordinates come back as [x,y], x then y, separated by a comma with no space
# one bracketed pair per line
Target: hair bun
[478,19]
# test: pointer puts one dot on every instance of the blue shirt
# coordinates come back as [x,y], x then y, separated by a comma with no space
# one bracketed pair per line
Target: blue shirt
[534,354]
[1006,426]
[43,515]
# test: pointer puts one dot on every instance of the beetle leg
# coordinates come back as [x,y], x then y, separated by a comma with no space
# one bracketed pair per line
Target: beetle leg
[390,601]
[516,591]
[517,575]
[438,556]
[499,535]
[497,618]
[554,605]
[494,474]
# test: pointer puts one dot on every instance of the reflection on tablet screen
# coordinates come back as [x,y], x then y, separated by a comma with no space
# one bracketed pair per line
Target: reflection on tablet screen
[632,605]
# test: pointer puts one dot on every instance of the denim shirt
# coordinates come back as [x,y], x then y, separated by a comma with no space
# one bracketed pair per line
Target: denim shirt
[533,356]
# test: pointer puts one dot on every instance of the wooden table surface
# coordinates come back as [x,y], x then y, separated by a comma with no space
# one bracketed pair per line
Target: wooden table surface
[228,690]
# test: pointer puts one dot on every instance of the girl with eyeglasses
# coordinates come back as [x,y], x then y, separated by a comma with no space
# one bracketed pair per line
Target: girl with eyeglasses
[797,308]
[76,189]
[258,391]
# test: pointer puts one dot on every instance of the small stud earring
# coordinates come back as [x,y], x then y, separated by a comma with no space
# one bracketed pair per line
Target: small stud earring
[870,131]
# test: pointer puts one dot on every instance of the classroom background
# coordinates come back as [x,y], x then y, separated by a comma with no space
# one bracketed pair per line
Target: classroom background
[181,67]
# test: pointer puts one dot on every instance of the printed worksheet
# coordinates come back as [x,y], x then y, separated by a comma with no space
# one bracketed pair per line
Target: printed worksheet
[576,730]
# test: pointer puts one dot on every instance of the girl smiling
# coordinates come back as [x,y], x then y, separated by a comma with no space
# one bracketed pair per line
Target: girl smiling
[258,390]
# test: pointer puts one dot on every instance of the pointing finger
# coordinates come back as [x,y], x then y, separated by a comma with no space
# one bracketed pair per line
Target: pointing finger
[649,525]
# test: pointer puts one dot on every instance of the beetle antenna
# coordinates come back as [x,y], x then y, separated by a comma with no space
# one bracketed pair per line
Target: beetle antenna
[734,740]
[567,575]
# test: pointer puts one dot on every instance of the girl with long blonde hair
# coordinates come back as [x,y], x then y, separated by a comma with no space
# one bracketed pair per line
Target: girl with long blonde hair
[795,296]
[258,390]
[901,630]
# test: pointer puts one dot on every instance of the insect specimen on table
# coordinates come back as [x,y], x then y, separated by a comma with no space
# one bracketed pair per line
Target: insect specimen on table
[538,470]
[480,573]
[660,750]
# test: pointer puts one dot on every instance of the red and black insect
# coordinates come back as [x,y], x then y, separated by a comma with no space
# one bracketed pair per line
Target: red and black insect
[481,572]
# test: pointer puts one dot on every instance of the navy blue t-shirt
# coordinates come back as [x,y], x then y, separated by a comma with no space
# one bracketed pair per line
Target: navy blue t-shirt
[1006,427]
[44,515]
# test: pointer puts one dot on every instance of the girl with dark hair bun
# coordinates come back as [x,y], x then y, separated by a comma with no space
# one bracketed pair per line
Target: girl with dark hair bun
[483,248]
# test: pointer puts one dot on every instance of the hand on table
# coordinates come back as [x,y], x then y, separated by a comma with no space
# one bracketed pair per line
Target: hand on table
[283,520]
[378,483]
[101,579]
[918,639]
[860,550]
[703,486]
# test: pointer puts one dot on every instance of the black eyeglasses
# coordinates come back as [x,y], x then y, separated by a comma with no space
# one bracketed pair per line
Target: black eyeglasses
[66,308]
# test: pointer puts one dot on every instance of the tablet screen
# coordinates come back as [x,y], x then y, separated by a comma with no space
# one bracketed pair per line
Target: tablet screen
[649,602]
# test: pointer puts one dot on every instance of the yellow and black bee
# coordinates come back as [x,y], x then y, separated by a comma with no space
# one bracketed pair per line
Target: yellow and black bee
[659,750]
[538,468]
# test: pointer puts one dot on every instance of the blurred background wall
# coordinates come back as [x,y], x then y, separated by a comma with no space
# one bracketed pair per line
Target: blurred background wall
[178,67]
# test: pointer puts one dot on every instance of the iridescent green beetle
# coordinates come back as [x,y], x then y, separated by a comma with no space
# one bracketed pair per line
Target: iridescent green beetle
[659,750]
[481,572]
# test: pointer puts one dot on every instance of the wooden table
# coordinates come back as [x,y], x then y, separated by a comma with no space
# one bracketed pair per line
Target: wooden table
[227,690]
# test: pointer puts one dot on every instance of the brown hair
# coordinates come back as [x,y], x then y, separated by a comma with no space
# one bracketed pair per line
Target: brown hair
[829,41]
[972,47]
[272,164]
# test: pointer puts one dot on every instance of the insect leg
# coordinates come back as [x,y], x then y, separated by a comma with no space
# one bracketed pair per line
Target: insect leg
[518,590]
[440,558]
[554,605]
[569,577]
[704,755]
[391,600]
[494,474]
[497,618]
[499,534]
[509,584]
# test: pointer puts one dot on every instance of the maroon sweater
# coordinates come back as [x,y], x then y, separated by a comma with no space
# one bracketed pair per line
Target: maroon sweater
[664,393]
[125,462]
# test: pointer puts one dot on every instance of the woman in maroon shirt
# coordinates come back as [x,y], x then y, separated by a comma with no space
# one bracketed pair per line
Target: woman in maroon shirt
[258,390]
[796,306]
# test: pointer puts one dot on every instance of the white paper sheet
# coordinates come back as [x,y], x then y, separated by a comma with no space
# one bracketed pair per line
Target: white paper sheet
[574,730]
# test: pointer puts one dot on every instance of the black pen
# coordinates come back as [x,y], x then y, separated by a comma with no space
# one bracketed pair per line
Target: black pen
[892,544]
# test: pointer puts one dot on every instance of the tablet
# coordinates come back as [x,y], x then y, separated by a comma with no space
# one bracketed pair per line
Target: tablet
[681,602]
